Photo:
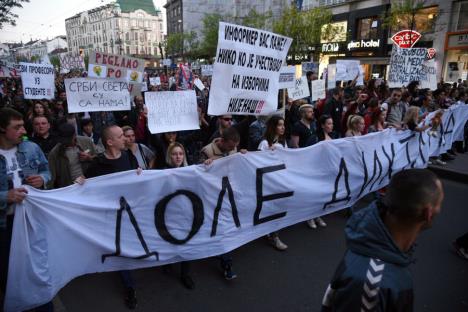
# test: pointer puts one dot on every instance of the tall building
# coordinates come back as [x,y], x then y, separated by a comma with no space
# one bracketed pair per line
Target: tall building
[131,27]
[187,15]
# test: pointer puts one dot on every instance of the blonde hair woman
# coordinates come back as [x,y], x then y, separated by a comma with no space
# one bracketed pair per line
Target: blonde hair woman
[355,126]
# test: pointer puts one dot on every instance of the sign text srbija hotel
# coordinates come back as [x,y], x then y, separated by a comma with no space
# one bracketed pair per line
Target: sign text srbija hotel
[363,44]
[406,38]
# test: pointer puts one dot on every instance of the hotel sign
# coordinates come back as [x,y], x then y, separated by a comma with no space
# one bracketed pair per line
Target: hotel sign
[363,44]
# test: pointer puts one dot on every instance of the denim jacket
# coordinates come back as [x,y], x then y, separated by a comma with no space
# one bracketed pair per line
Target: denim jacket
[32,161]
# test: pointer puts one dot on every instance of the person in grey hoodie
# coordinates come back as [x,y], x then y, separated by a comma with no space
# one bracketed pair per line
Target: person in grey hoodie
[374,273]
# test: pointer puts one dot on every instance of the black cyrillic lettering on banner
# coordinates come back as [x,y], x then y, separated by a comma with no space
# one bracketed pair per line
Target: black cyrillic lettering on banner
[410,163]
[342,171]
[448,128]
[407,139]
[390,162]
[260,198]
[225,186]
[372,180]
[160,212]
[422,143]
[125,206]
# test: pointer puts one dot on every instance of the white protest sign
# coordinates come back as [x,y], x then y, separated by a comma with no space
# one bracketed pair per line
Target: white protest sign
[309,67]
[38,81]
[170,111]
[331,74]
[166,62]
[134,76]
[199,84]
[95,95]
[246,72]
[300,90]
[405,66]
[97,71]
[318,89]
[45,59]
[144,87]
[69,62]
[186,214]
[347,69]
[287,78]
[207,70]
[360,80]
[155,81]
[428,77]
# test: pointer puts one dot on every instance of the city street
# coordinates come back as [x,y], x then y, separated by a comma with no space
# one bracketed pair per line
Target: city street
[294,280]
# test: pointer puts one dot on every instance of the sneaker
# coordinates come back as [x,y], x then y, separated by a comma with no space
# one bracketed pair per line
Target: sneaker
[278,244]
[321,222]
[439,162]
[229,274]
[462,252]
[187,281]
[130,298]
[311,224]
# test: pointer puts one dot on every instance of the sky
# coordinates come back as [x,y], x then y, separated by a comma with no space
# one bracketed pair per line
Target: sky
[42,19]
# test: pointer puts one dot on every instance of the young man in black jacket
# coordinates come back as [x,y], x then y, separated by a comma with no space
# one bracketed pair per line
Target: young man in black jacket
[116,159]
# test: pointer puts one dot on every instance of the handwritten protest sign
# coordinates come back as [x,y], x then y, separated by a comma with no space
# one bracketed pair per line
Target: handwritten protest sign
[155,81]
[172,111]
[207,70]
[287,78]
[405,66]
[134,76]
[69,62]
[246,73]
[117,65]
[318,89]
[38,81]
[97,71]
[347,69]
[199,84]
[300,90]
[309,66]
[428,77]
[166,62]
[95,94]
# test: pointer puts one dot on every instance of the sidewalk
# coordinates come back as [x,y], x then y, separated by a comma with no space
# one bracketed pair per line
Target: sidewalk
[456,169]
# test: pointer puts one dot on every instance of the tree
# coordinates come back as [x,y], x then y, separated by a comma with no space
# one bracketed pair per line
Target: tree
[404,14]
[183,44]
[210,34]
[256,20]
[304,27]
[6,14]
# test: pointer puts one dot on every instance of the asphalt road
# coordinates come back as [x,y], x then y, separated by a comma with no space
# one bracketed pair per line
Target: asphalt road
[293,280]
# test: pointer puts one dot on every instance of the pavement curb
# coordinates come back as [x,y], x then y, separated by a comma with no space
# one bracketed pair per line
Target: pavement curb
[449,174]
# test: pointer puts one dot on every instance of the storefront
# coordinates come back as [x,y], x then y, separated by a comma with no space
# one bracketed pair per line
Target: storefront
[456,56]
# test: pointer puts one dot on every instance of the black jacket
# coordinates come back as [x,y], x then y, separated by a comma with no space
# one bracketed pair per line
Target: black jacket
[101,165]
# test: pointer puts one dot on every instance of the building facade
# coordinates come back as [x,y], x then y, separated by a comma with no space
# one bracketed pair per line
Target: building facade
[39,48]
[367,40]
[131,27]
[187,15]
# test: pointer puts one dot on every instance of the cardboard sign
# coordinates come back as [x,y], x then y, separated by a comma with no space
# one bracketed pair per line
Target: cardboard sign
[428,77]
[207,70]
[331,76]
[134,76]
[199,84]
[246,72]
[287,78]
[38,81]
[117,65]
[170,111]
[166,62]
[347,69]
[155,81]
[69,62]
[309,66]
[300,90]
[405,66]
[318,89]
[97,94]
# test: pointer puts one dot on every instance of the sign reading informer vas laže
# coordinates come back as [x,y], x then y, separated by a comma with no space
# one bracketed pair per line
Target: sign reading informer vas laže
[94,95]
[246,71]
[38,81]
[172,111]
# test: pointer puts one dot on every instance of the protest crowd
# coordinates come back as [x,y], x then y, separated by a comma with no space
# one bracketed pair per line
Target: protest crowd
[55,148]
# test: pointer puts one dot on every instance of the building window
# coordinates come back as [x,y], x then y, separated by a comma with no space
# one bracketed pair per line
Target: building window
[128,50]
[424,20]
[462,20]
[134,23]
[367,28]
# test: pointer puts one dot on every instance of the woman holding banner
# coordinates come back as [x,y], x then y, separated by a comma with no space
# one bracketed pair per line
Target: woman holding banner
[274,138]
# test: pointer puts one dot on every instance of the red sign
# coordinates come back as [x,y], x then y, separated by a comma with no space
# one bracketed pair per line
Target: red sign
[431,53]
[406,38]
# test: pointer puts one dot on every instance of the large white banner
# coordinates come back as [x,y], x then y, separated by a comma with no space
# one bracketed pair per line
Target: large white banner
[405,66]
[300,90]
[129,221]
[246,72]
[96,94]
[172,111]
[38,81]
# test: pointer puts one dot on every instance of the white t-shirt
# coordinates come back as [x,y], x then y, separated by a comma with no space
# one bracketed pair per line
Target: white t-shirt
[263,146]
[13,171]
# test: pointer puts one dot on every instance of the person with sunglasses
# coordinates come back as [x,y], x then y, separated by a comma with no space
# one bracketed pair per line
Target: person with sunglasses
[223,122]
